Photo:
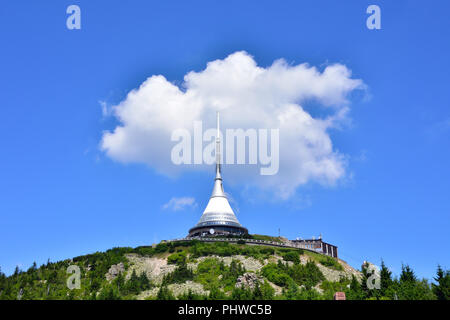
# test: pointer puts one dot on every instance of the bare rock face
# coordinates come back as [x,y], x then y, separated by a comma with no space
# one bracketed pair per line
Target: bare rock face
[248,281]
[183,288]
[249,263]
[154,268]
[114,271]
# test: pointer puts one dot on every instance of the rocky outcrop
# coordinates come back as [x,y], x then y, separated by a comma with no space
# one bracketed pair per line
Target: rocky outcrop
[154,268]
[114,271]
[148,294]
[177,289]
[183,288]
[249,263]
[248,281]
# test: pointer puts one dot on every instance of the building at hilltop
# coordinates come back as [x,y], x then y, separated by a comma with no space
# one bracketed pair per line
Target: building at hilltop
[317,245]
[218,217]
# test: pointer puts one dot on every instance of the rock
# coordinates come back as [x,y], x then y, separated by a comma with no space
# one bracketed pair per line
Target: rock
[148,294]
[183,288]
[278,289]
[318,288]
[177,289]
[155,268]
[249,263]
[248,281]
[114,271]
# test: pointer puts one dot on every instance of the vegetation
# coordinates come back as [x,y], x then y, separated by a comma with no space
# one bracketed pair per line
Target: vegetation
[265,238]
[180,275]
[215,275]
[330,262]
[296,280]
[177,258]
[283,275]
[442,288]
[292,255]
[262,291]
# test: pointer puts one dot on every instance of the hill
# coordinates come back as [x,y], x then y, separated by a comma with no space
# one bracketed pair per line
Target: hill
[199,270]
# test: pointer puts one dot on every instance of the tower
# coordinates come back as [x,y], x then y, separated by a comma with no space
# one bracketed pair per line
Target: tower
[218,218]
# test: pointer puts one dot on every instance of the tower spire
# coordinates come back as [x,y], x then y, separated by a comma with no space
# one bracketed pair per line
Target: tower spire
[218,217]
[218,169]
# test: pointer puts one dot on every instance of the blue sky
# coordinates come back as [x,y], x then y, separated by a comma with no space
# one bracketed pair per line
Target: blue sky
[62,196]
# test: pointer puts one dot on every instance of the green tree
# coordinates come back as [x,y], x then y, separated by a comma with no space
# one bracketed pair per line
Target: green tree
[355,291]
[215,293]
[164,294]
[407,274]
[292,291]
[268,293]
[132,285]
[241,293]
[385,279]
[177,258]
[409,288]
[144,282]
[292,256]
[366,274]
[16,271]
[109,293]
[181,274]
[442,288]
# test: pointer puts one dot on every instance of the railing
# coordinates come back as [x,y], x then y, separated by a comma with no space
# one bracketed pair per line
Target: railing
[252,241]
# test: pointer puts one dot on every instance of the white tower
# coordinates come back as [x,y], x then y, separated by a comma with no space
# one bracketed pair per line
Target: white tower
[218,217]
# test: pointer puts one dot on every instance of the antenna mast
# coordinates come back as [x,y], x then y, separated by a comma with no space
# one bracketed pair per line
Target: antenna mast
[218,146]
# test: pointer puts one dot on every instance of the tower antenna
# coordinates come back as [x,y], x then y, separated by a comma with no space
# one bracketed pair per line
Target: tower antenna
[218,217]
[218,146]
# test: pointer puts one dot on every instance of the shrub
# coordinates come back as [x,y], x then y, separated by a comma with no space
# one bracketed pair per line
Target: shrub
[267,250]
[134,285]
[177,258]
[162,247]
[108,293]
[308,275]
[274,273]
[330,262]
[210,269]
[145,251]
[164,294]
[181,274]
[191,296]
[292,256]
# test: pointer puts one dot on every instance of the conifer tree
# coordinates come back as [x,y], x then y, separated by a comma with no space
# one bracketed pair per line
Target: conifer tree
[386,278]
[355,292]
[442,289]
[144,283]
[365,292]
[407,274]
[133,283]
[164,294]
[257,293]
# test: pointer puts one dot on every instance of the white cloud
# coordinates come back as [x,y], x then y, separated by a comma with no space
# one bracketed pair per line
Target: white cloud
[248,96]
[177,204]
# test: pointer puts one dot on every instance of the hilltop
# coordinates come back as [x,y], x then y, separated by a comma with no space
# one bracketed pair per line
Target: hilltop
[191,270]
